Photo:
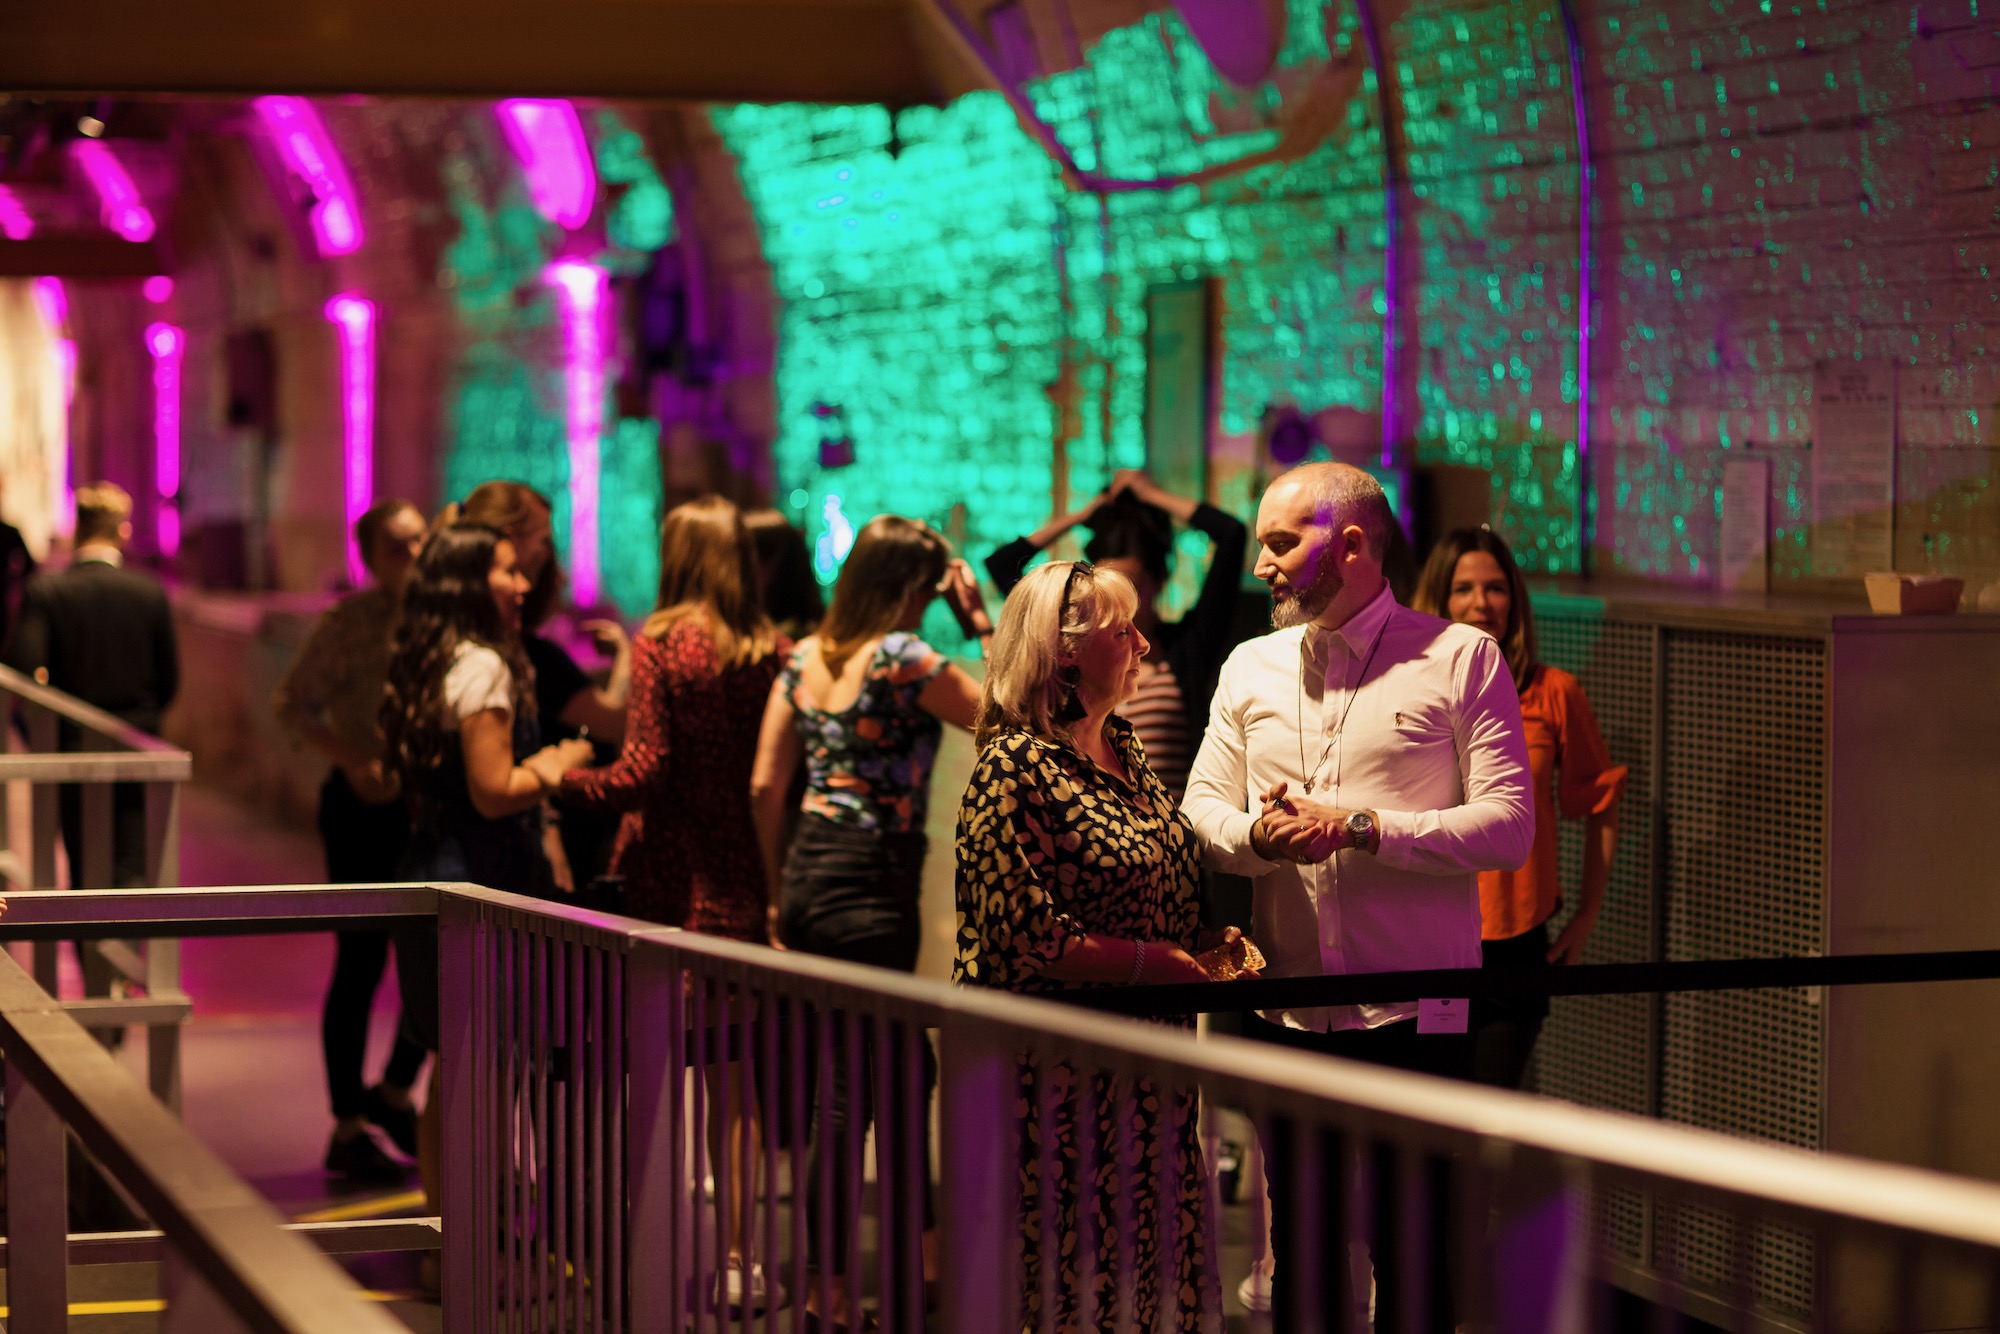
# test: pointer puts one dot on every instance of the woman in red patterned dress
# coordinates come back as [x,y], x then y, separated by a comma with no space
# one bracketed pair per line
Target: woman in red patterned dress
[702,668]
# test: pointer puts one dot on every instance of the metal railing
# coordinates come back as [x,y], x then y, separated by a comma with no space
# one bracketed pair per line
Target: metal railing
[81,757]
[227,1260]
[590,1061]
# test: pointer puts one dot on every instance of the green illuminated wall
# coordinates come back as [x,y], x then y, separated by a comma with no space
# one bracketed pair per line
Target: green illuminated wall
[506,411]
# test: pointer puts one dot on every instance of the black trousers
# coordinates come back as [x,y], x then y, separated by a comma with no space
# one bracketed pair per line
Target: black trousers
[852,894]
[363,845]
[1310,1284]
[1504,1031]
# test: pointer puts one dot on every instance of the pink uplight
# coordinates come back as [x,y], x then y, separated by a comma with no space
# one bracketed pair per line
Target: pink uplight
[547,140]
[581,289]
[167,344]
[353,319]
[158,289]
[52,306]
[308,152]
[15,224]
[118,199]
[51,303]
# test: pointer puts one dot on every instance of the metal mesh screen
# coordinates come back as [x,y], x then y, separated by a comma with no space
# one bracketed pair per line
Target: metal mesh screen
[1745,769]
[1599,1050]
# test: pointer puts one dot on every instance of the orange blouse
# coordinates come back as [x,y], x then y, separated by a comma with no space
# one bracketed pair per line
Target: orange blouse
[1572,771]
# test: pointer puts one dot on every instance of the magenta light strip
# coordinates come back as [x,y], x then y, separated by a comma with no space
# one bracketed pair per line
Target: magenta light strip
[582,289]
[547,140]
[353,318]
[309,153]
[167,344]
[118,199]
[15,224]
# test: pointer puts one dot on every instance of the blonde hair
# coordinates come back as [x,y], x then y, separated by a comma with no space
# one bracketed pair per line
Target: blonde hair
[708,574]
[102,508]
[1022,690]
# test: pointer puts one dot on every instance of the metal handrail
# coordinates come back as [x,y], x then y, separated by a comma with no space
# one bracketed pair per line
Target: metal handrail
[1795,1183]
[108,726]
[60,1078]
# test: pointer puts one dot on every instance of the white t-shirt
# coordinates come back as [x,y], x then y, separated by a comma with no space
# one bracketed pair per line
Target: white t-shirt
[479,680]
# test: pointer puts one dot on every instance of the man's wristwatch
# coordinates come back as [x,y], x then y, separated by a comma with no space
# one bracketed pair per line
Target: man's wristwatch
[1359,827]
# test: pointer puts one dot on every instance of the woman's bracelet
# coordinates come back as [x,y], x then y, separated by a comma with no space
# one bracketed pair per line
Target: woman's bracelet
[1138,962]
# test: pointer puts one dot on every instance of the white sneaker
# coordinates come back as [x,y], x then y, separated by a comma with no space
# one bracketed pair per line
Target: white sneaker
[1255,1290]
[746,1287]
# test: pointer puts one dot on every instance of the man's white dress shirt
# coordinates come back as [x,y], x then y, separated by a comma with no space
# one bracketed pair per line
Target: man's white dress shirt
[1432,743]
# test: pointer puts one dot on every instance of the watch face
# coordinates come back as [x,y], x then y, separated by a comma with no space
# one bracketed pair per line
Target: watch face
[1359,825]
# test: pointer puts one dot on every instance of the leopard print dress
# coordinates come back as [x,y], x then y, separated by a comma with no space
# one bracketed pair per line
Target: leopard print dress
[1050,846]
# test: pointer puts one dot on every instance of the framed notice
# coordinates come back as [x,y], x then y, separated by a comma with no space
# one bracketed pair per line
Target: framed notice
[1180,349]
[1853,467]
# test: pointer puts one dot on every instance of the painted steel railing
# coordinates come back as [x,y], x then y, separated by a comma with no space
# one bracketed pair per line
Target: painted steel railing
[590,1063]
[80,755]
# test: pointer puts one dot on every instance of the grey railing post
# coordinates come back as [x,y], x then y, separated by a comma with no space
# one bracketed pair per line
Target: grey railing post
[460,935]
[37,1212]
[656,1184]
[980,1196]
[1540,1255]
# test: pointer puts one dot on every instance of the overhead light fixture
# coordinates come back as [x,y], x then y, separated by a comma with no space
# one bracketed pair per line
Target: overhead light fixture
[118,200]
[309,154]
[90,127]
[547,140]
[158,289]
[15,224]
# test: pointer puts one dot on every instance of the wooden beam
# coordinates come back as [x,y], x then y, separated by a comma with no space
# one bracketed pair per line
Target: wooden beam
[719,50]
[79,257]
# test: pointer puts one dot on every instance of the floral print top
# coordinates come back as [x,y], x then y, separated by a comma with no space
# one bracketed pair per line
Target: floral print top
[869,765]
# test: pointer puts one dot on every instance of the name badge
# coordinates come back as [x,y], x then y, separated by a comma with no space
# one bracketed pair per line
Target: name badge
[1443,1016]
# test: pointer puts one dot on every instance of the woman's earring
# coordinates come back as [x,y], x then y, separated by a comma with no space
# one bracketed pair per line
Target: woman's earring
[1071,710]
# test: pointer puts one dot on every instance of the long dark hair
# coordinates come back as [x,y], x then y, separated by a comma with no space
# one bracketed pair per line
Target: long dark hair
[448,601]
[508,506]
[892,557]
[1434,593]
[708,573]
[784,566]
[1131,529]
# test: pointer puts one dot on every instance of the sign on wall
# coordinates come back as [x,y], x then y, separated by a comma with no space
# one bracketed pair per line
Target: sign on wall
[1853,467]
[1180,323]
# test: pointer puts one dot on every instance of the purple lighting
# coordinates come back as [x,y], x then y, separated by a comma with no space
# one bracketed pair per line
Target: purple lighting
[353,319]
[166,344]
[52,304]
[158,289]
[581,288]
[547,140]
[308,152]
[123,209]
[15,224]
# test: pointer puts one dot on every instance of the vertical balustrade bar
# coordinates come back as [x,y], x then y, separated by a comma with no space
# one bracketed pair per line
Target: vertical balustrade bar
[538,1120]
[163,955]
[1411,1243]
[980,1205]
[459,937]
[653,1178]
[514,1002]
[1051,1106]
[560,1180]
[45,836]
[700,1275]
[590,1062]
[888,1224]
[852,1211]
[37,1212]
[617,1005]
[1125,1154]
[916,1171]
[486,1216]
[767,1121]
[826,1023]
[799,1137]
[1085,1088]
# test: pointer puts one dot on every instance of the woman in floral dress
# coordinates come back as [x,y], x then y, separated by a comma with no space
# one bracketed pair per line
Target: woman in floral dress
[1076,868]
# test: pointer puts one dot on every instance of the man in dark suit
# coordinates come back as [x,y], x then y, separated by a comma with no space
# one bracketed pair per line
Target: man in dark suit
[104,634]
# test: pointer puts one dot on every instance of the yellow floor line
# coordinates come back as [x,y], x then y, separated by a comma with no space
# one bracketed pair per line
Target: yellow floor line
[151,1305]
[370,1208]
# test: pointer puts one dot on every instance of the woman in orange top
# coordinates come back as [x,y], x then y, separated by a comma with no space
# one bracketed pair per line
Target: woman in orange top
[1471,577]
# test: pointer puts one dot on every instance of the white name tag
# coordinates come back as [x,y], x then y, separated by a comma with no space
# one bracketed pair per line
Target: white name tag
[1443,1016]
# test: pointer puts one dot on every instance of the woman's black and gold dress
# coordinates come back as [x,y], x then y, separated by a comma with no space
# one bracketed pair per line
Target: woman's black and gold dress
[1051,846]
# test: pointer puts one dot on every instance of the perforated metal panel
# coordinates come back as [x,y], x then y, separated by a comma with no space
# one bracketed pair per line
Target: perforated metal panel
[1599,1050]
[1745,792]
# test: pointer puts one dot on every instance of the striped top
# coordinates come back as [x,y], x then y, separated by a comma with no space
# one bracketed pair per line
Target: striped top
[1158,715]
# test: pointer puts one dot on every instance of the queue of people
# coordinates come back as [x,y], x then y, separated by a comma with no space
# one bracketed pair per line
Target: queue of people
[1365,764]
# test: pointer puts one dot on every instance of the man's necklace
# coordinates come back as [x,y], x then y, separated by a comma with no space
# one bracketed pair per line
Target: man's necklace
[1309,775]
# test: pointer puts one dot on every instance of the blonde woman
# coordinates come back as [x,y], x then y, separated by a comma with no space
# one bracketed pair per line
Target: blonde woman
[1075,868]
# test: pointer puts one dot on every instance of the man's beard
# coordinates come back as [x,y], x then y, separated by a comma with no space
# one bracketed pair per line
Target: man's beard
[1317,597]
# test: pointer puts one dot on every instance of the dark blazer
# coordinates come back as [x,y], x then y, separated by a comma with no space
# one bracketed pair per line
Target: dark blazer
[106,636]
